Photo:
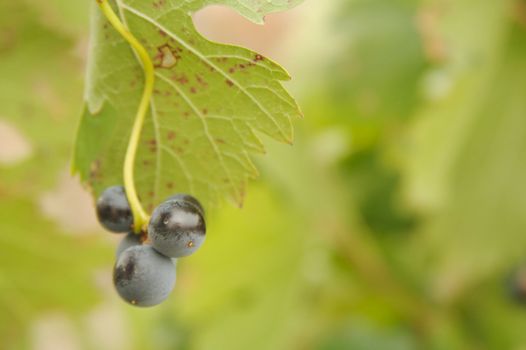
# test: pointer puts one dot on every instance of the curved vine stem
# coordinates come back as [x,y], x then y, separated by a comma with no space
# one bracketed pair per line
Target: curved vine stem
[140,216]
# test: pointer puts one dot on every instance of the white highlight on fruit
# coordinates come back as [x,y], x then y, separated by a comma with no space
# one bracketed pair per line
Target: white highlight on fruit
[14,147]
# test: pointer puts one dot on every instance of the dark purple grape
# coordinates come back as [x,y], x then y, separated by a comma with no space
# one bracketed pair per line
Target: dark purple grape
[187,198]
[130,240]
[143,277]
[113,210]
[177,228]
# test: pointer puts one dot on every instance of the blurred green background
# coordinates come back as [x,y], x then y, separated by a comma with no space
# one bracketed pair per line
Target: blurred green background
[396,221]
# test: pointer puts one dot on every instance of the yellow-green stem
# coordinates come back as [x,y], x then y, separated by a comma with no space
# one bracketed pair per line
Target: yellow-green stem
[140,216]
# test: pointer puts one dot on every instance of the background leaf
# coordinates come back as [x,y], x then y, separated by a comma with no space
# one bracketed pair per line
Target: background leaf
[42,267]
[477,152]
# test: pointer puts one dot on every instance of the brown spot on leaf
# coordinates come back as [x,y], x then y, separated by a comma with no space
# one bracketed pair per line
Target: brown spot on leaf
[153,147]
[94,172]
[200,80]
[166,57]
[181,79]
[159,4]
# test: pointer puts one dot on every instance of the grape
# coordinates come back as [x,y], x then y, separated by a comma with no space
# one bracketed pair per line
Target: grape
[143,277]
[130,240]
[113,210]
[188,198]
[177,228]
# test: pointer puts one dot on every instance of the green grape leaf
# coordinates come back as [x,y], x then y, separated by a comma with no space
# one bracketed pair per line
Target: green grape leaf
[209,102]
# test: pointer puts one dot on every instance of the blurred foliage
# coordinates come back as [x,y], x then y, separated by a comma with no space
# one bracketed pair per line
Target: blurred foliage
[39,93]
[395,222]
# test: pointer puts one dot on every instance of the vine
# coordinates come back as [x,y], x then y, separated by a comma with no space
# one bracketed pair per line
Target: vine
[140,217]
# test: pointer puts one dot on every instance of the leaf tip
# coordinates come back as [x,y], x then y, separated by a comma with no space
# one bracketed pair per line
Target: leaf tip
[239,201]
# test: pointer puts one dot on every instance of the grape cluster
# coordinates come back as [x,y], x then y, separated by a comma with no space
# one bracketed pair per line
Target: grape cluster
[144,273]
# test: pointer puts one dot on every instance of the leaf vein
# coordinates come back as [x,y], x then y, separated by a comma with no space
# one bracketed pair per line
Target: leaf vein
[205,127]
[211,64]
